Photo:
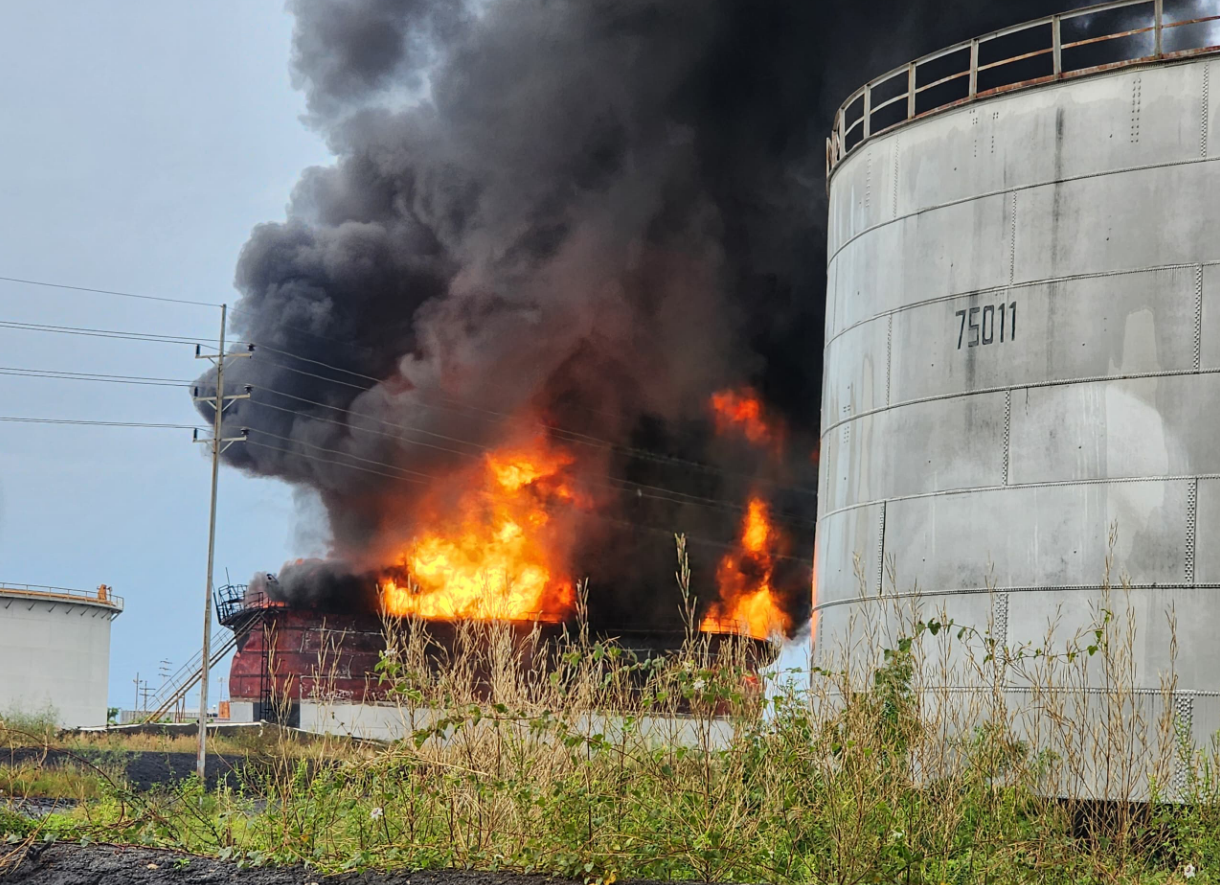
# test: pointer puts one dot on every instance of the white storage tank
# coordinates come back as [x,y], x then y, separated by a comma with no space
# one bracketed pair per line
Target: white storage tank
[55,652]
[1023,339]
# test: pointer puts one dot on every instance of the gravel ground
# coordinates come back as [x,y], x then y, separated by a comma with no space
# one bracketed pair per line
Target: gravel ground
[72,864]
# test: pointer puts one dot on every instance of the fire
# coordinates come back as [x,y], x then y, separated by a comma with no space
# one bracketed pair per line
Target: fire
[747,602]
[496,553]
[741,412]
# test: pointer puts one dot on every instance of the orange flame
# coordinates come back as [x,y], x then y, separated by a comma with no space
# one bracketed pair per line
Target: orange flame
[747,601]
[496,554]
[741,412]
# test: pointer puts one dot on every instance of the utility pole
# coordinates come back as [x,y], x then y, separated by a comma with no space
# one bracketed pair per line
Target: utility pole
[219,403]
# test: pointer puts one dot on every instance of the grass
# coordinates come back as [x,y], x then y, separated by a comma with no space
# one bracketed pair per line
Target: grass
[75,782]
[575,759]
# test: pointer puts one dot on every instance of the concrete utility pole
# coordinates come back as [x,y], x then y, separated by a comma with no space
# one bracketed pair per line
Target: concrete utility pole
[219,403]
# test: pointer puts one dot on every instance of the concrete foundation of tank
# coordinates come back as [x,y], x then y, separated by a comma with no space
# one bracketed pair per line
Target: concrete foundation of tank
[1023,354]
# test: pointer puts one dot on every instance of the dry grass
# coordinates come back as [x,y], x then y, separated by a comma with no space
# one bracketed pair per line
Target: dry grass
[923,752]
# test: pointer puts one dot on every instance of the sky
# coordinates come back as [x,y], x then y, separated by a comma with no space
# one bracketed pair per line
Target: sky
[141,142]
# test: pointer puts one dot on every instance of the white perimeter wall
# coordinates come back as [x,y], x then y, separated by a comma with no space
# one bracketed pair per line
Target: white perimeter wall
[55,654]
[389,723]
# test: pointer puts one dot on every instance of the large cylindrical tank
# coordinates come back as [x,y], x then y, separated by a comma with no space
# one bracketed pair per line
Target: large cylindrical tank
[1023,352]
[55,652]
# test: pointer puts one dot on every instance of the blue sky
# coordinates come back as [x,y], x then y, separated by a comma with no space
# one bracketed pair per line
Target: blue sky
[140,141]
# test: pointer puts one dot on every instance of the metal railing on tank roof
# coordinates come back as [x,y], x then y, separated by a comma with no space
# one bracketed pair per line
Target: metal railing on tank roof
[103,595]
[1073,44]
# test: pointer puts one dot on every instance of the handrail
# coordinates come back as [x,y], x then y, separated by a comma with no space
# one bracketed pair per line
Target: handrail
[103,595]
[176,687]
[854,123]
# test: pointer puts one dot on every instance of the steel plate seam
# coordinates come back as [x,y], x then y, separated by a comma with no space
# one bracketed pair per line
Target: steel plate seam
[1001,591]
[1198,317]
[1012,243]
[1084,176]
[881,552]
[889,361]
[1005,287]
[1056,484]
[1207,77]
[1192,515]
[894,198]
[1007,435]
[1030,385]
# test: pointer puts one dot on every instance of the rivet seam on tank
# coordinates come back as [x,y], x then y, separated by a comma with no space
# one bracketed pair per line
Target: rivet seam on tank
[1008,591]
[995,116]
[889,359]
[1198,318]
[1137,92]
[1012,242]
[868,185]
[881,554]
[1007,434]
[1184,713]
[1192,511]
[897,149]
[1024,486]
[1207,77]
[1001,619]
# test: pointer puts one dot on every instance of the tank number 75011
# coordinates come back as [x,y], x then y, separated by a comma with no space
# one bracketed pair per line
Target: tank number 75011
[981,323]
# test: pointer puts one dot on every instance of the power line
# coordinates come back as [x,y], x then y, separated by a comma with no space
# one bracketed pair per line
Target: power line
[617,484]
[84,423]
[100,333]
[406,427]
[574,436]
[160,298]
[565,434]
[346,426]
[336,463]
[707,542]
[428,476]
[90,376]
[333,462]
[623,484]
[49,285]
[568,435]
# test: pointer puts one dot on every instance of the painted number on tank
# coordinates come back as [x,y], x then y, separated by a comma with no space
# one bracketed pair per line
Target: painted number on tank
[993,324]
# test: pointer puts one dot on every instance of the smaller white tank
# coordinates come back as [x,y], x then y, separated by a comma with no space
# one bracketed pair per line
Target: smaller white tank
[55,651]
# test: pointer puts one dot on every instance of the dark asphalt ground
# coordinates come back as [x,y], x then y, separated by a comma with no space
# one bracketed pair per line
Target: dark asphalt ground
[73,864]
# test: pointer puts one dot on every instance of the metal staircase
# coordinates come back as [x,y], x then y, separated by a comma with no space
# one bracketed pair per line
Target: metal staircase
[234,612]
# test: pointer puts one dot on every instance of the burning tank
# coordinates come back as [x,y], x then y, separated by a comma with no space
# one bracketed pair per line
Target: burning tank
[287,655]
[504,538]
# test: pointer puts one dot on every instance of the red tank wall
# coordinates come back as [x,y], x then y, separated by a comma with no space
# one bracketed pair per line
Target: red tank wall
[311,655]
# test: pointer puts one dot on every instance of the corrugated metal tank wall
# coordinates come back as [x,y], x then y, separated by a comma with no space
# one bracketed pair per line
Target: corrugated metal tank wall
[1022,350]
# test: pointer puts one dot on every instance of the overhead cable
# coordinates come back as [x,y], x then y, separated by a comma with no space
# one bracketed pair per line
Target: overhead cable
[49,285]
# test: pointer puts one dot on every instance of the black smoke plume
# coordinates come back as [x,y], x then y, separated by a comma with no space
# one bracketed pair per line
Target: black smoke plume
[592,212]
